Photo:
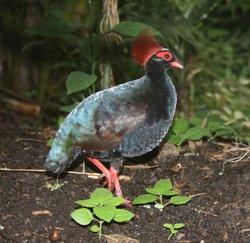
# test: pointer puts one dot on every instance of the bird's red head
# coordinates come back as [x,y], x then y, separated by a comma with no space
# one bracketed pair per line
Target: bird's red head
[145,46]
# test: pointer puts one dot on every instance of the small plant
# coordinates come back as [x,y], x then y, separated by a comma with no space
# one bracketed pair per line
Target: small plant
[197,128]
[173,228]
[182,132]
[54,187]
[101,207]
[162,188]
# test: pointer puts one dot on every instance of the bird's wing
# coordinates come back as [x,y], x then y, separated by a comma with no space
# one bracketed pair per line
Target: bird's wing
[114,118]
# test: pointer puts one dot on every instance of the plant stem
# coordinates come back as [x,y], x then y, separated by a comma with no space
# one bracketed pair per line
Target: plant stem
[164,205]
[161,199]
[106,75]
[170,236]
[100,232]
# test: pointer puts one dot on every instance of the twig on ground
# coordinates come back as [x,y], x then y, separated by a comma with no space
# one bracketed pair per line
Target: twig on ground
[205,212]
[140,166]
[31,140]
[89,175]
[199,194]
[245,230]
[239,158]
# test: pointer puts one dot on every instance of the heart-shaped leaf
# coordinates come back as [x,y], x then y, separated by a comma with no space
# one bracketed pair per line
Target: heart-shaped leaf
[106,212]
[163,185]
[82,216]
[123,215]
[101,195]
[79,81]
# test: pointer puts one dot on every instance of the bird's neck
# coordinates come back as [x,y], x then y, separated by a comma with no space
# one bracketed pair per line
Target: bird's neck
[162,92]
[156,72]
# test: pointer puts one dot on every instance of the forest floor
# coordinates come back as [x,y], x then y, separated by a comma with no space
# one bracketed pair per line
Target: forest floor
[29,212]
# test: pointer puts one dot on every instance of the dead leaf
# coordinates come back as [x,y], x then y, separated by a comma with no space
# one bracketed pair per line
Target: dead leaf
[42,212]
[202,168]
[115,238]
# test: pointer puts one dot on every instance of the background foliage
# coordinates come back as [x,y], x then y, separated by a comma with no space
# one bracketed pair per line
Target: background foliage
[43,42]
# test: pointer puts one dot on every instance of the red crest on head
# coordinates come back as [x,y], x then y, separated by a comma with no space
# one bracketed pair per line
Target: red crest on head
[144,47]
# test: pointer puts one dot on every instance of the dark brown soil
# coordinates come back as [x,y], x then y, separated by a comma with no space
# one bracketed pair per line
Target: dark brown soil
[221,214]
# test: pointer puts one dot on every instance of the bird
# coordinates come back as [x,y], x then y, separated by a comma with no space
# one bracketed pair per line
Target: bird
[121,122]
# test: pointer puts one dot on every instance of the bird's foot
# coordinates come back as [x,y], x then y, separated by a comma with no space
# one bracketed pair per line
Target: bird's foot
[112,179]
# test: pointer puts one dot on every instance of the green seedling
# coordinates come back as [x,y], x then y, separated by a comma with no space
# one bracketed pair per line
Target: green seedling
[54,187]
[162,189]
[173,228]
[101,207]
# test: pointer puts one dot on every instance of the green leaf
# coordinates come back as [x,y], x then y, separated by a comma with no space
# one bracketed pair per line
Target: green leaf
[60,121]
[180,126]
[196,121]
[82,216]
[50,29]
[171,193]
[153,191]
[163,185]
[106,212]
[89,203]
[95,228]
[123,215]
[50,142]
[79,81]
[173,231]
[144,198]
[114,201]
[179,225]
[174,139]
[178,200]
[68,108]
[169,226]
[222,130]
[213,125]
[134,29]
[101,195]
[194,133]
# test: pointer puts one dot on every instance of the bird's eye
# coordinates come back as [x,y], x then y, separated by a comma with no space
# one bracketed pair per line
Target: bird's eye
[165,55]
[168,56]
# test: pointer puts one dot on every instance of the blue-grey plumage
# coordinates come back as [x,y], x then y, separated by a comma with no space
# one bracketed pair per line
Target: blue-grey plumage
[129,120]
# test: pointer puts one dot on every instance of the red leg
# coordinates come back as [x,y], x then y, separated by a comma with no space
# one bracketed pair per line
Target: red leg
[114,176]
[105,172]
[118,190]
